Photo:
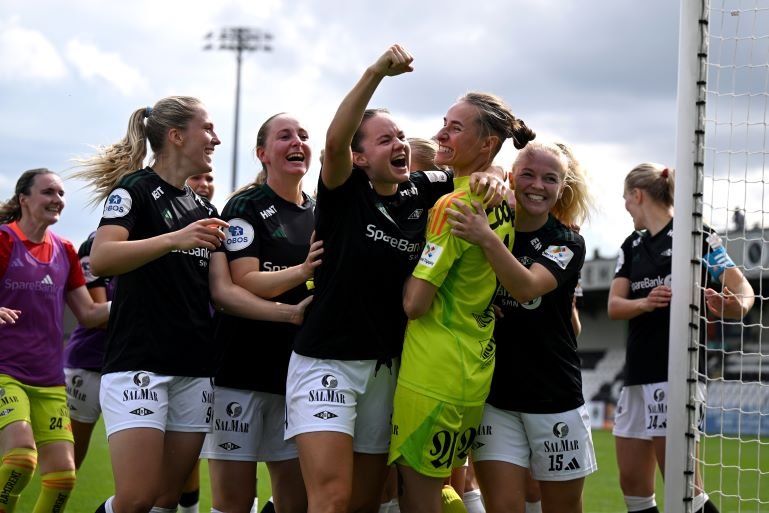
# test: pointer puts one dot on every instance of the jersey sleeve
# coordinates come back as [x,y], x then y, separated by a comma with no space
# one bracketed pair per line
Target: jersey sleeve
[241,238]
[122,206]
[332,208]
[624,259]
[564,256]
[433,184]
[84,254]
[442,248]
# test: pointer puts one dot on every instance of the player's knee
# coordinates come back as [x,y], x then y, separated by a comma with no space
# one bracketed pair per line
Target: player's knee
[18,466]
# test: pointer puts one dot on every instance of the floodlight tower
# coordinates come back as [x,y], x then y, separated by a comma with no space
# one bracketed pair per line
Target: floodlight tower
[239,40]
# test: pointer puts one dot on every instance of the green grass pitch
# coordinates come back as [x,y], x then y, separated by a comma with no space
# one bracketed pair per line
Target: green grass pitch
[732,470]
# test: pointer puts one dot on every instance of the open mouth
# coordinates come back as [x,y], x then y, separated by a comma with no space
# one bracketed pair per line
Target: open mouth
[399,161]
[295,157]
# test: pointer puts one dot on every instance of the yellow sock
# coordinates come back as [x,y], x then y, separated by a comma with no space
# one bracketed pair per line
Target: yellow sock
[451,501]
[55,491]
[15,472]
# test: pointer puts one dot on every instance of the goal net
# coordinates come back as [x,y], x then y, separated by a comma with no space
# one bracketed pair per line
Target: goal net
[722,181]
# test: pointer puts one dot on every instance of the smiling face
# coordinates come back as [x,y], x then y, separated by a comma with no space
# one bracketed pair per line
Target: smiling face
[202,184]
[198,141]
[385,151]
[460,142]
[45,201]
[632,199]
[286,149]
[539,179]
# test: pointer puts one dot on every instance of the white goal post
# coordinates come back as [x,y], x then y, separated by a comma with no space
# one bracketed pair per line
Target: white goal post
[722,180]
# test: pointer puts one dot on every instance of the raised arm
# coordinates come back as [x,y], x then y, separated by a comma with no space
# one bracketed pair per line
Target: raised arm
[337,157]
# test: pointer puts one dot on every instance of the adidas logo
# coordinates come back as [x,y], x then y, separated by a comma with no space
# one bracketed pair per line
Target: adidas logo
[573,465]
[416,214]
[47,280]
[279,233]
[17,263]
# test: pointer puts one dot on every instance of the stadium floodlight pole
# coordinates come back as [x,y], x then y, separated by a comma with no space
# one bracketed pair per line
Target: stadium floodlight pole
[239,40]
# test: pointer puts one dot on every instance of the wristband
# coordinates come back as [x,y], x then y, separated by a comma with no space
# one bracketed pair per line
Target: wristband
[717,261]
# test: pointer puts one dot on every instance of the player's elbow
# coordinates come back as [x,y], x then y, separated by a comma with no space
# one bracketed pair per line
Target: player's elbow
[614,312]
[414,309]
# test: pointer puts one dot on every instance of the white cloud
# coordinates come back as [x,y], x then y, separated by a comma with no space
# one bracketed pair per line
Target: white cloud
[91,62]
[27,55]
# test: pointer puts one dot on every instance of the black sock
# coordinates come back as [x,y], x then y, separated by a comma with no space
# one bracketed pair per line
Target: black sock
[708,507]
[268,507]
[189,498]
[102,508]
[653,509]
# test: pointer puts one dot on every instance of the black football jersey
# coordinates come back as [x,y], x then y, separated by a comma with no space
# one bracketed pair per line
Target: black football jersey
[371,245]
[538,368]
[160,319]
[645,260]
[277,232]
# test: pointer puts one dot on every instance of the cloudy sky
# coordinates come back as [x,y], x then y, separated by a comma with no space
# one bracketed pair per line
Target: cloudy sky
[599,74]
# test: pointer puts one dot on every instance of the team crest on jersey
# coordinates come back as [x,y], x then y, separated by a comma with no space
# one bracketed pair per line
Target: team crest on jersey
[118,204]
[431,254]
[561,255]
[436,176]
[239,235]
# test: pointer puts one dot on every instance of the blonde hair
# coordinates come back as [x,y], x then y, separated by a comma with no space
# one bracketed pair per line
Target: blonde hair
[113,162]
[11,210]
[574,203]
[656,180]
[423,154]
